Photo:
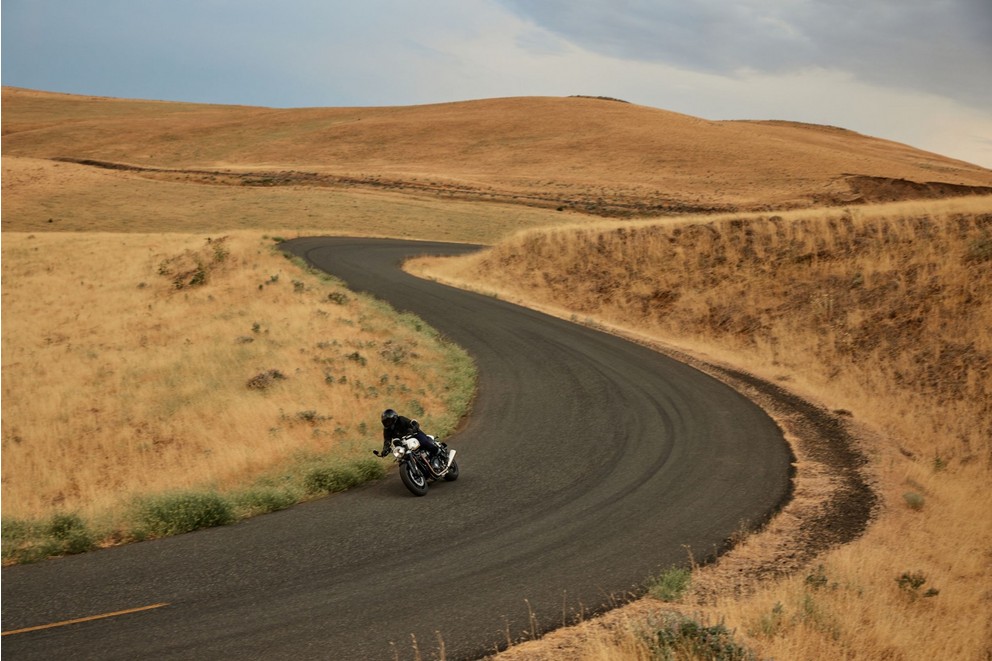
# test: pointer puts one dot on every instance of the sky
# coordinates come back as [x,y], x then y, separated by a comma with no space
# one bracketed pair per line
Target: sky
[914,71]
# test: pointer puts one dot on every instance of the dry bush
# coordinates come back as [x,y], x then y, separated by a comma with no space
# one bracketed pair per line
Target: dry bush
[884,312]
[131,366]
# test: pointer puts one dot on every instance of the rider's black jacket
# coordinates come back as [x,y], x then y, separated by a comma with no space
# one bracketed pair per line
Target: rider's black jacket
[402,428]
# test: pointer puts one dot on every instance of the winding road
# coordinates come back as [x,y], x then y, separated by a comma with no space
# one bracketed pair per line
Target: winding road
[588,464]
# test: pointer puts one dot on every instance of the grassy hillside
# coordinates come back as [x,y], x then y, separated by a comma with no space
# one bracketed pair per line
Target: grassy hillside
[593,155]
[882,314]
[141,366]
[47,196]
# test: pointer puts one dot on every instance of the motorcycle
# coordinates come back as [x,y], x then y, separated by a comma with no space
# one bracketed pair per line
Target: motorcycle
[417,470]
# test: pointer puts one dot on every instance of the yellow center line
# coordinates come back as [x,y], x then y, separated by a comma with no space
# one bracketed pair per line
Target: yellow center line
[83,619]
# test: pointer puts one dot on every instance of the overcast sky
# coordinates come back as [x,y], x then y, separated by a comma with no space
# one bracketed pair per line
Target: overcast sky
[914,71]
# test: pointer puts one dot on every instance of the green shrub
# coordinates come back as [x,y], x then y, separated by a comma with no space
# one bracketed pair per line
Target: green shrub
[328,479]
[338,477]
[310,416]
[262,500]
[911,582]
[17,534]
[15,530]
[684,638]
[70,533]
[913,500]
[177,513]
[369,469]
[670,584]
[30,541]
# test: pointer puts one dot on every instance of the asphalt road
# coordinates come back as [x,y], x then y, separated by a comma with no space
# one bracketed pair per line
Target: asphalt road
[588,464]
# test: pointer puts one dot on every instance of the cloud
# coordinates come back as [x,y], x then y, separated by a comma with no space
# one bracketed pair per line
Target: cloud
[941,47]
[291,53]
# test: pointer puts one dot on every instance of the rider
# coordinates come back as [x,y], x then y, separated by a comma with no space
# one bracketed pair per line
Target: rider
[395,425]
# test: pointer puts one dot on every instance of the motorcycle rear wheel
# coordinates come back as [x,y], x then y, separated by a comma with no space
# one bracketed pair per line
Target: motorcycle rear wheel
[452,473]
[413,478]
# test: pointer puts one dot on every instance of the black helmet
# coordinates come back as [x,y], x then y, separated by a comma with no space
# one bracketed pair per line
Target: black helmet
[389,418]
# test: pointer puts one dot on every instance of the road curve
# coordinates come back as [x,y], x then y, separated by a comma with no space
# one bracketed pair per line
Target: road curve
[588,463]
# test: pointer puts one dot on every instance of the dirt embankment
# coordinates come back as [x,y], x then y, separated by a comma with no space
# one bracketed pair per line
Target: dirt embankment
[617,205]
[867,190]
[850,189]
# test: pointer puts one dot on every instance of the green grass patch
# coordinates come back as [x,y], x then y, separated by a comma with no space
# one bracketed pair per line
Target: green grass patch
[181,512]
[670,584]
[62,534]
[262,500]
[167,514]
[335,477]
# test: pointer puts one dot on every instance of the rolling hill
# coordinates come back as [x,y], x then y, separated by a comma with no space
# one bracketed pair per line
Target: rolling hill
[593,155]
[880,313]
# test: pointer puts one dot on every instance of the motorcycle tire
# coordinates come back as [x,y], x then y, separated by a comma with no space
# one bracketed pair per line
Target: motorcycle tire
[413,478]
[452,473]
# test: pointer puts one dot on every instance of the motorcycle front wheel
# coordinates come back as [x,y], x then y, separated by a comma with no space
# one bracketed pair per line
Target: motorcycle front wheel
[413,478]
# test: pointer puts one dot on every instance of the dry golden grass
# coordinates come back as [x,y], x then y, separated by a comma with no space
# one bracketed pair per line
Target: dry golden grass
[903,290]
[118,383]
[44,196]
[881,311]
[590,154]
[885,312]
